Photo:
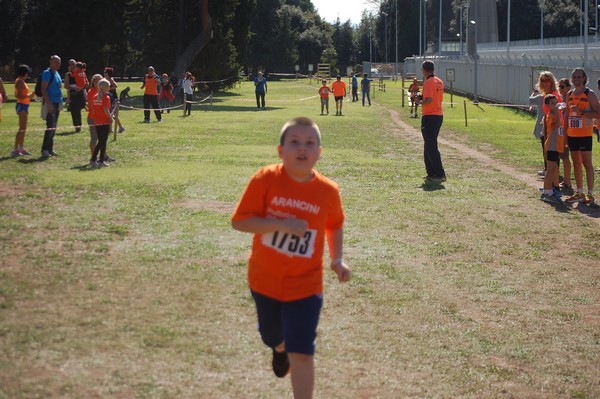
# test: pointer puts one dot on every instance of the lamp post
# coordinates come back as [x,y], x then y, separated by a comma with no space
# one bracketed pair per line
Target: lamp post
[385,15]
[396,65]
[508,31]
[475,59]
[420,27]
[440,32]
[542,22]
[597,8]
[370,45]
[460,29]
[425,25]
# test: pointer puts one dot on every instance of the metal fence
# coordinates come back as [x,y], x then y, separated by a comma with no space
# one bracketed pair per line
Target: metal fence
[500,79]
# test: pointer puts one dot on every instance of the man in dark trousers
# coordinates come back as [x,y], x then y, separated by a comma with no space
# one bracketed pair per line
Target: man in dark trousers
[431,122]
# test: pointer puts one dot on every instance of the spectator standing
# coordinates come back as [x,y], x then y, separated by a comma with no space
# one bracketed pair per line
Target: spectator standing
[151,85]
[92,93]
[564,86]
[365,85]
[582,108]
[23,97]
[52,104]
[165,98]
[75,84]
[114,99]
[188,92]
[554,145]
[260,83]
[354,88]
[432,117]
[102,119]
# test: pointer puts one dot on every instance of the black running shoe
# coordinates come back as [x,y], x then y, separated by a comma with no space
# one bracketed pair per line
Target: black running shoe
[281,363]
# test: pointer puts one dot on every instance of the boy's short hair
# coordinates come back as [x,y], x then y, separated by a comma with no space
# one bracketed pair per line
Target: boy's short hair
[428,66]
[79,64]
[298,121]
[109,71]
[549,98]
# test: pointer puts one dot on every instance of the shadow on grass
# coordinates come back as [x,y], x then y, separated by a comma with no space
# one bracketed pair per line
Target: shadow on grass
[28,161]
[591,210]
[84,168]
[432,186]
[69,133]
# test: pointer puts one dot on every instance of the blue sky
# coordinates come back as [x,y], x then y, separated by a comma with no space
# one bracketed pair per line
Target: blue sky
[329,10]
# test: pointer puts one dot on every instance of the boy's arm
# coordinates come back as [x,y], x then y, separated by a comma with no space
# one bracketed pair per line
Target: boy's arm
[335,241]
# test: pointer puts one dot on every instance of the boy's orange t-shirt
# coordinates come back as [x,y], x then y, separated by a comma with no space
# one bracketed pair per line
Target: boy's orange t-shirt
[324,91]
[339,88]
[555,137]
[98,102]
[282,266]
[433,87]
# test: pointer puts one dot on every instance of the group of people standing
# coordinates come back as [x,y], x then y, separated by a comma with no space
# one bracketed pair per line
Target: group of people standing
[160,90]
[567,112]
[99,97]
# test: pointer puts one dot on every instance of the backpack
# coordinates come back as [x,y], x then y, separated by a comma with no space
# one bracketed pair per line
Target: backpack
[38,84]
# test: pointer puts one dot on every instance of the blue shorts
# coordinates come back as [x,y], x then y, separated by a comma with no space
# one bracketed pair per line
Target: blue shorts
[22,107]
[294,322]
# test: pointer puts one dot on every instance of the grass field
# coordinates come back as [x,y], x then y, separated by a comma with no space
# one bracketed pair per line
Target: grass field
[128,281]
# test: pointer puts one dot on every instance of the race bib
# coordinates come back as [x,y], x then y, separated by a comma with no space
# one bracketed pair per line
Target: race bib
[576,121]
[290,244]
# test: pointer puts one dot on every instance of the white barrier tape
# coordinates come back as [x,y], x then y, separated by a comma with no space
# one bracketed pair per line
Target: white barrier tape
[201,101]
[151,109]
[216,81]
[278,101]
[65,128]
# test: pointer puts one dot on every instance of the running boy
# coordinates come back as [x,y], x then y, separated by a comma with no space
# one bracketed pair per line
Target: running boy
[291,208]
[324,94]
[554,145]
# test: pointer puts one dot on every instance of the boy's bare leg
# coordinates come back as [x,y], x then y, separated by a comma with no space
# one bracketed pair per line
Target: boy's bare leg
[551,175]
[303,375]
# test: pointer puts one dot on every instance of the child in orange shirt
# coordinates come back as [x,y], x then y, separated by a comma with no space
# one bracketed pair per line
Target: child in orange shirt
[291,208]
[324,94]
[339,92]
[554,146]
[100,104]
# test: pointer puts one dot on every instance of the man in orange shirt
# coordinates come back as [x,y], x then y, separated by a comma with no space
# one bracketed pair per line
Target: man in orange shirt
[291,208]
[150,86]
[431,122]
[339,92]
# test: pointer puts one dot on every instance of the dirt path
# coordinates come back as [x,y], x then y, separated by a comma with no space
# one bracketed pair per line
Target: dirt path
[592,211]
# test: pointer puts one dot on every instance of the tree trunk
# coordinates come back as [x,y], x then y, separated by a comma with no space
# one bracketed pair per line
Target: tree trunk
[186,58]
